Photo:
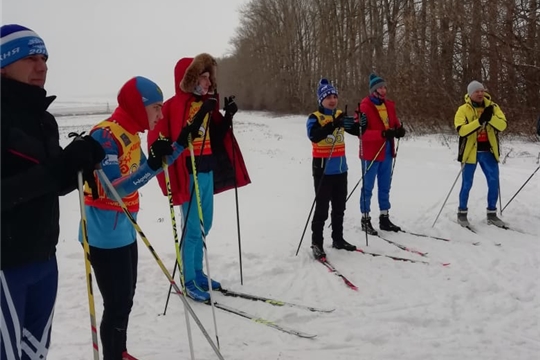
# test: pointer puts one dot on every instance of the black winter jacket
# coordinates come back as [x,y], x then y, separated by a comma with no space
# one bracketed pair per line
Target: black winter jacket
[32,175]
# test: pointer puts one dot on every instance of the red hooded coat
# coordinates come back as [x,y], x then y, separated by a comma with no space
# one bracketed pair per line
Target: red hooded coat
[230,170]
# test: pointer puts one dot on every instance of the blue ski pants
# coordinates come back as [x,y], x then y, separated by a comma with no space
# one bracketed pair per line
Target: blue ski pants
[490,168]
[28,294]
[192,248]
[382,170]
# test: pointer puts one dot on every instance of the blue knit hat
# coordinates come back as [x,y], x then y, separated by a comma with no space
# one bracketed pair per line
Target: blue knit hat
[150,92]
[375,82]
[325,89]
[18,42]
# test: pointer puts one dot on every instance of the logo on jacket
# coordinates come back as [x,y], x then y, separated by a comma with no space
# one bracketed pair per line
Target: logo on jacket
[142,179]
[111,159]
[125,139]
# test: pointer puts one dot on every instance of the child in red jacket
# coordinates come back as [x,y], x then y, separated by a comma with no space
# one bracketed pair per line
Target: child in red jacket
[377,150]
[218,159]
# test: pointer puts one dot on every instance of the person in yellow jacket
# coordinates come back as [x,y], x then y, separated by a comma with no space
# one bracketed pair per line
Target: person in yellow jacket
[479,122]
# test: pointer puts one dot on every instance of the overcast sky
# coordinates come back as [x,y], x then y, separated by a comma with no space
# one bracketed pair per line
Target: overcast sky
[95,46]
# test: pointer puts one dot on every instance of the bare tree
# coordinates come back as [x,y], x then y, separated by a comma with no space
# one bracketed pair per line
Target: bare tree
[427,50]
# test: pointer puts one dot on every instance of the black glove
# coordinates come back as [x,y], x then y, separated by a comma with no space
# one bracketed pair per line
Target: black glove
[207,106]
[389,133]
[329,128]
[193,127]
[348,122]
[190,129]
[400,132]
[90,179]
[159,148]
[82,154]
[338,121]
[486,115]
[230,106]
[362,119]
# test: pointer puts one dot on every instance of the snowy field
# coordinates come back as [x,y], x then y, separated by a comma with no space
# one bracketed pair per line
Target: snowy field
[484,306]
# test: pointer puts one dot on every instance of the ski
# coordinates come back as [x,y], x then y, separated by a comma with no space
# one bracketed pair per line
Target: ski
[425,235]
[262,321]
[474,231]
[275,302]
[332,269]
[397,258]
[257,319]
[402,247]
[506,227]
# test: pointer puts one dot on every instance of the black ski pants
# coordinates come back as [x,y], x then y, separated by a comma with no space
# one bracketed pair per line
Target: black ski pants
[116,276]
[329,189]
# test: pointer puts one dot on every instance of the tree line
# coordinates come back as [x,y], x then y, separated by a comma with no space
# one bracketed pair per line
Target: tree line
[426,50]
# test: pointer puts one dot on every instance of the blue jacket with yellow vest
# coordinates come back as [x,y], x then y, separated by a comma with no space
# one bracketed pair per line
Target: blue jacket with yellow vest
[328,143]
[125,166]
[471,133]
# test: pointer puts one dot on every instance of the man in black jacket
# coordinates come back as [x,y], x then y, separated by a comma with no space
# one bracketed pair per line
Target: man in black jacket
[34,172]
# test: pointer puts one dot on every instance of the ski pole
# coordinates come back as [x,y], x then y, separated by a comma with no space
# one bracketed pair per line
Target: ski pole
[184,228]
[454,184]
[316,194]
[394,162]
[500,196]
[522,186]
[88,268]
[182,236]
[363,173]
[104,179]
[177,248]
[237,205]
[203,232]
[369,167]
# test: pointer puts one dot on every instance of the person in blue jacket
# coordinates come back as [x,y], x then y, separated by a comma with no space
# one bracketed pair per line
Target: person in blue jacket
[111,235]
[325,129]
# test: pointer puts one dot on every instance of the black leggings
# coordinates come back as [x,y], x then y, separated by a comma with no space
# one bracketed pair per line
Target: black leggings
[116,275]
[332,190]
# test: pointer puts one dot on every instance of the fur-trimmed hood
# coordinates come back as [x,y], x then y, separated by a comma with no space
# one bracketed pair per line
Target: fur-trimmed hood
[187,71]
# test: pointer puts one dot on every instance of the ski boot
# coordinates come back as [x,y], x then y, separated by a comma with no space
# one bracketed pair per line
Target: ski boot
[366,225]
[318,252]
[196,293]
[386,224]
[493,219]
[343,245]
[462,218]
[202,281]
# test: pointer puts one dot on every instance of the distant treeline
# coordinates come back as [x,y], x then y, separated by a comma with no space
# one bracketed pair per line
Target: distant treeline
[426,50]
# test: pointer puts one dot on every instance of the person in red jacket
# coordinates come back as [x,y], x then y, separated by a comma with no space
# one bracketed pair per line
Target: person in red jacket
[219,162]
[380,126]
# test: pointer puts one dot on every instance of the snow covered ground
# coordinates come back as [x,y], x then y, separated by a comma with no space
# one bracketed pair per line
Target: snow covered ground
[484,306]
